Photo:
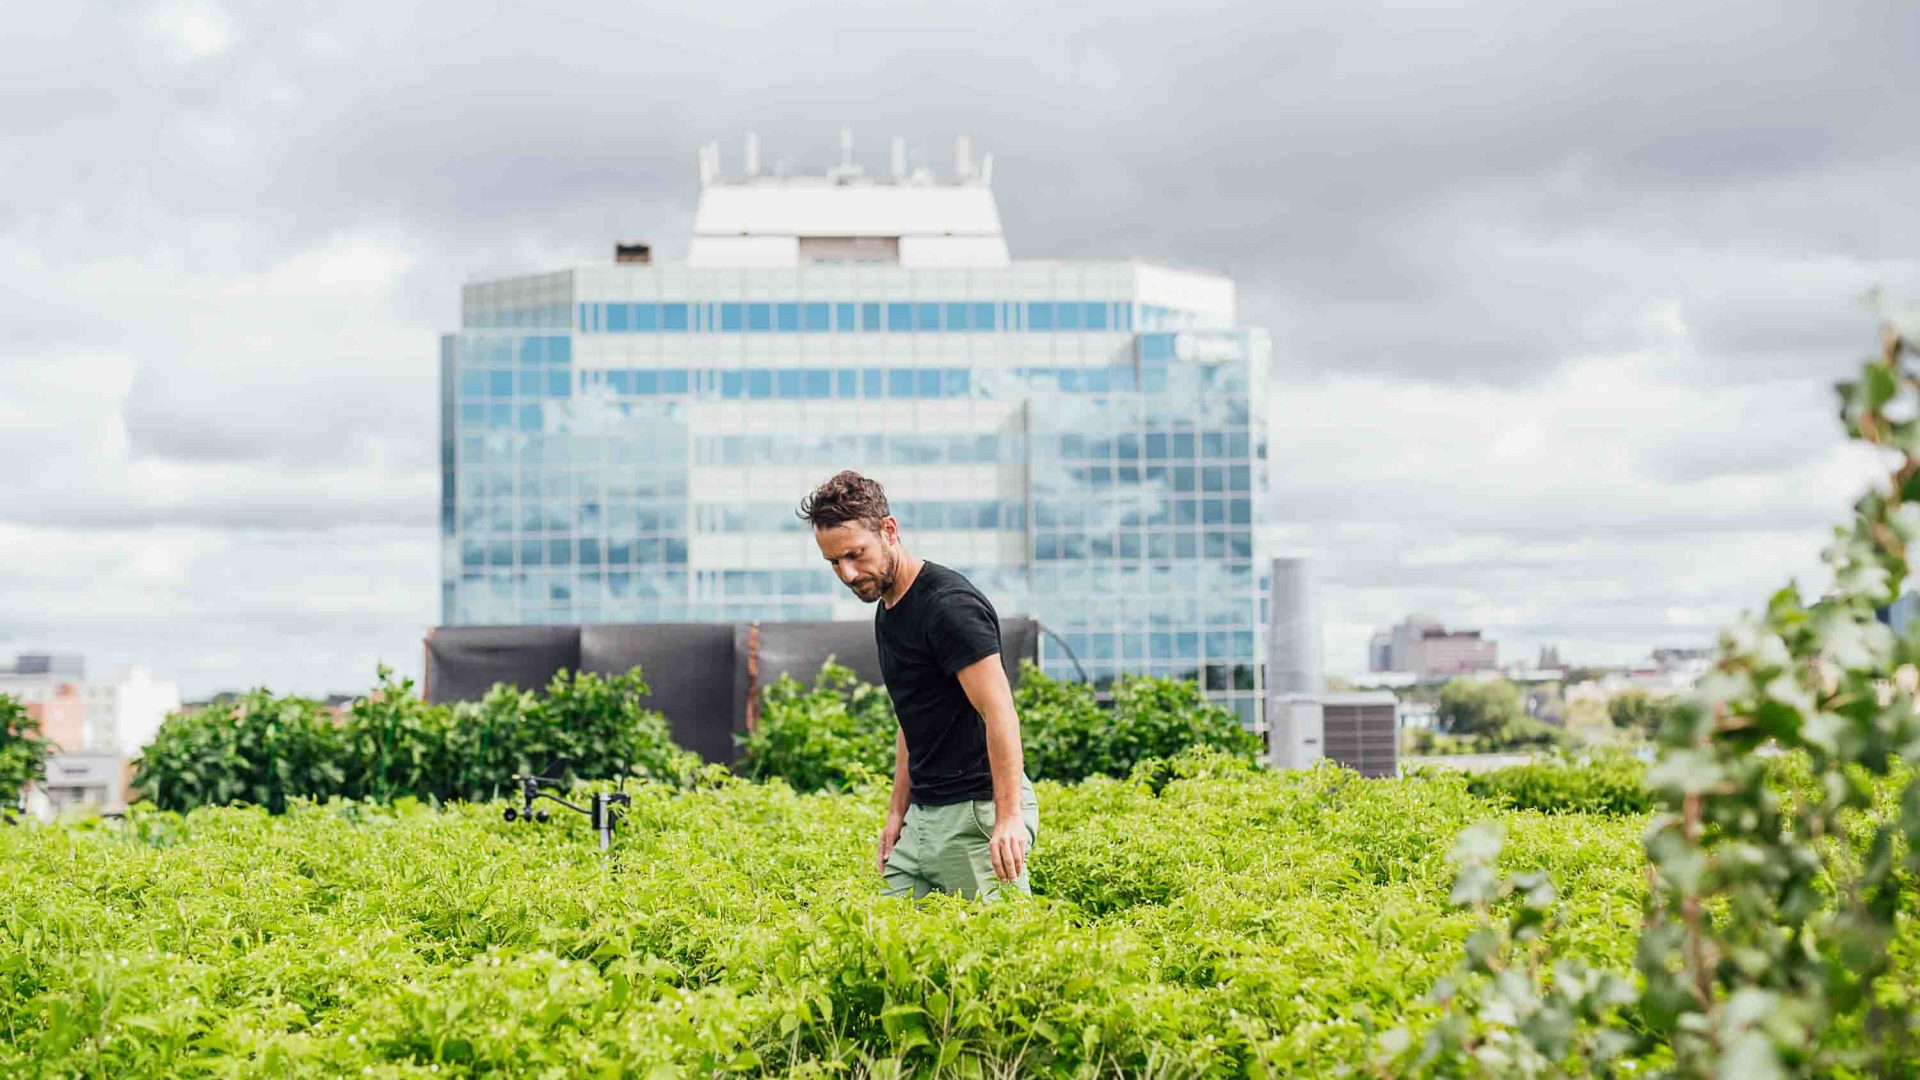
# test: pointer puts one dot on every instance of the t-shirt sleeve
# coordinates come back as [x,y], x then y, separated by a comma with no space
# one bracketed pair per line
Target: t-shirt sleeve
[962,631]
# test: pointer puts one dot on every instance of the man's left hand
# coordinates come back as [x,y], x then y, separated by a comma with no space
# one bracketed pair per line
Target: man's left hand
[1008,849]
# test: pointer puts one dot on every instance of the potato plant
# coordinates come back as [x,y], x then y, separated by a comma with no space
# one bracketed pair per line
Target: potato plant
[1235,922]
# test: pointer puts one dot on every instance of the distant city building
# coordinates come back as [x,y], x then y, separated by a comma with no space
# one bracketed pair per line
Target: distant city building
[1670,672]
[1424,647]
[97,726]
[1670,659]
[1380,652]
[1550,659]
[46,664]
[627,442]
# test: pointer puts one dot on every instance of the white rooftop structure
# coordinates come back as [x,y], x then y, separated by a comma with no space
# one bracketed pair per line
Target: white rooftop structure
[846,216]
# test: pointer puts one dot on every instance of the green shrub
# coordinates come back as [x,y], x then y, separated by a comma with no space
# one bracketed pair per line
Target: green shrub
[397,744]
[1638,712]
[1067,736]
[1161,717]
[1425,742]
[1603,784]
[599,727]
[1778,936]
[257,748]
[262,749]
[1493,713]
[1064,732]
[822,737]
[23,751]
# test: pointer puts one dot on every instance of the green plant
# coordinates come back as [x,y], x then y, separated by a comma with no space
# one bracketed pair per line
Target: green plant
[1064,732]
[1512,1008]
[1603,783]
[1786,979]
[839,730]
[1067,736]
[1240,922]
[396,744]
[1479,706]
[257,748]
[264,749]
[1423,742]
[1782,896]
[1160,717]
[23,750]
[599,726]
[1636,711]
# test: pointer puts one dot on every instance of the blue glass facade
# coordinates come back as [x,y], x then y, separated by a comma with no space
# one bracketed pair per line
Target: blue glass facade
[615,452]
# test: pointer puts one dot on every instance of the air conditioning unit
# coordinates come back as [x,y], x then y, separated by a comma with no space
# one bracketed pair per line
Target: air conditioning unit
[1358,730]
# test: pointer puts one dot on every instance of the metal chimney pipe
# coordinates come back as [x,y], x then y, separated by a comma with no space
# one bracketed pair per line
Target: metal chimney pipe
[1294,662]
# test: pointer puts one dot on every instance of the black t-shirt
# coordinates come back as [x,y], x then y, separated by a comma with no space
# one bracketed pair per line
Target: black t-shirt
[941,625]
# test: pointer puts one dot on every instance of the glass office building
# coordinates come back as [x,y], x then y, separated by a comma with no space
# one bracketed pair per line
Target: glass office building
[630,442]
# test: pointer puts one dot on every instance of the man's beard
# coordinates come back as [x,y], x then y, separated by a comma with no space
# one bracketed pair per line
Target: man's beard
[881,584]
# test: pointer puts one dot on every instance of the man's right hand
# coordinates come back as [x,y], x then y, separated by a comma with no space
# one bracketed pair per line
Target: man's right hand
[889,836]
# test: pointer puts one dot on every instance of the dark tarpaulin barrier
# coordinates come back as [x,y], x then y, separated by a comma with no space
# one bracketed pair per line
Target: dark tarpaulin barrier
[463,662]
[688,667]
[704,677]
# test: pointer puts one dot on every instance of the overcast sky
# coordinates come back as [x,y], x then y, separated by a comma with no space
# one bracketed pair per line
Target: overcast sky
[1557,295]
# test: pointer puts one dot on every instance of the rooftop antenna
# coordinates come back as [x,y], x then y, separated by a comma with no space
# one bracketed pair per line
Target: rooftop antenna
[899,158]
[709,163]
[921,173]
[846,171]
[963,156]
[752,166]
[986,169]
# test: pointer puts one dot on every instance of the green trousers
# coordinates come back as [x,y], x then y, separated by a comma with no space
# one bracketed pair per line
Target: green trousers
[944,849]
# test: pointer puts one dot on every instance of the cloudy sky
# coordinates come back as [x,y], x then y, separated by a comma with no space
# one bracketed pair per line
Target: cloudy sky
[1558,291]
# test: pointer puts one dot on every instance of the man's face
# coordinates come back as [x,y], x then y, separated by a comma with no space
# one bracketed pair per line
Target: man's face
[865,559]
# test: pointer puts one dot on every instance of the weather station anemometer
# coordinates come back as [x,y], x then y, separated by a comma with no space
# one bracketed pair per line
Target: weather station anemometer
[600,809]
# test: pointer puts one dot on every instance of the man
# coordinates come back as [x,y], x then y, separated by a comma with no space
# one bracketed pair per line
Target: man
[963,814]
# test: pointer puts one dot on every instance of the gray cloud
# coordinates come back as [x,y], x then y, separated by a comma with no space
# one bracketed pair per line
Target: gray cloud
[233,232]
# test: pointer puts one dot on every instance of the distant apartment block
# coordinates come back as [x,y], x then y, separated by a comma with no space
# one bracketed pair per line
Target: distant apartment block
[1423,646]
[97,726]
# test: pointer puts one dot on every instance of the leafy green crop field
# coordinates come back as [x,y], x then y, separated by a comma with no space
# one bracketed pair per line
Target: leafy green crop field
[1239,923]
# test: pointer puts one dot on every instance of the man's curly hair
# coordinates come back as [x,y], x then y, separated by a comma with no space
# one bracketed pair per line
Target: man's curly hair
[847,497]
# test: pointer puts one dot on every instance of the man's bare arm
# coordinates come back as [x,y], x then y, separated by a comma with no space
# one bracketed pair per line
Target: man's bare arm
[985,682]
[902,783]
[897,805]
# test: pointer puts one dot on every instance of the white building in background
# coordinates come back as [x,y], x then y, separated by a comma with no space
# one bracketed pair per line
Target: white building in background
[139,703]
[1086,441]
[98,726]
